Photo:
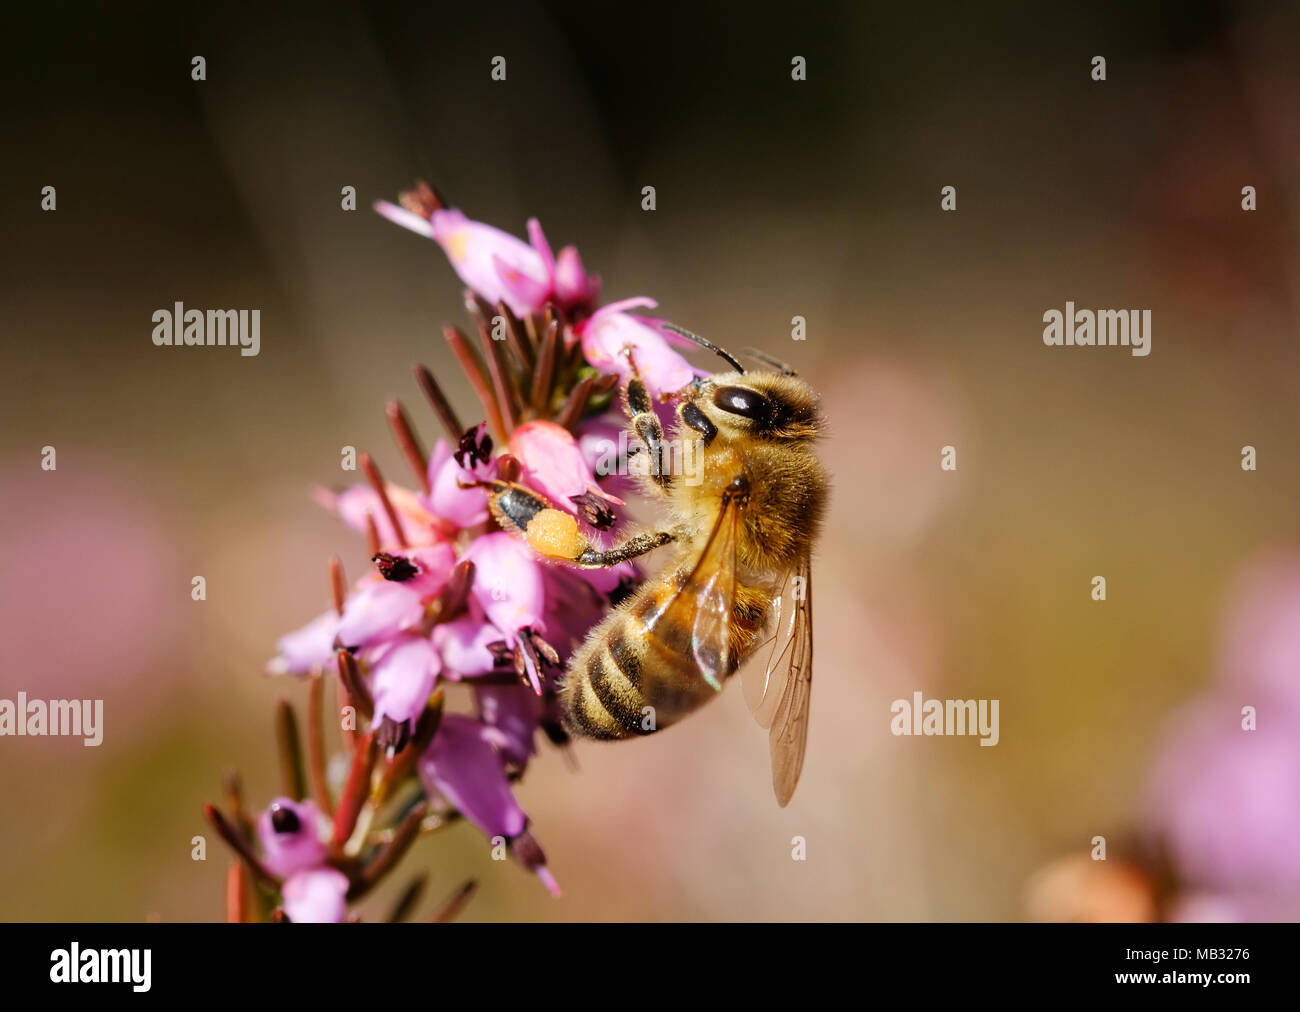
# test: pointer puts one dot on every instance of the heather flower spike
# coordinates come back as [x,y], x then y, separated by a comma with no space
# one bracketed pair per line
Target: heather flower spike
[449,596]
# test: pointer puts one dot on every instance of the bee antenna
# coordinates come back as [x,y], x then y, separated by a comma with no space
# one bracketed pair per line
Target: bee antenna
[705,344]
[766,359]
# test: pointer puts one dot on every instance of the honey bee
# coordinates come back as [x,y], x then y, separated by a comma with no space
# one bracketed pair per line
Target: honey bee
[739,578]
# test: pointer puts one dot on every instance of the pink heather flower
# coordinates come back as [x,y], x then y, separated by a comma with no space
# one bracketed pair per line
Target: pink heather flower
[451,470]
[401,680]
[316,896]
[615,341]
[1262,644]
[511,718]
[463,644]
[423,571]
[496,265]
[1225,801]
[377,611]
[507,582]
[573,285]
[353,505]
[463,766]
[509,589]
[291,834]
[304,650]
[553,464]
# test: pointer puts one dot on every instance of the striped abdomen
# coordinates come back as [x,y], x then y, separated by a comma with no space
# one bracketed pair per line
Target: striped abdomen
[626,681]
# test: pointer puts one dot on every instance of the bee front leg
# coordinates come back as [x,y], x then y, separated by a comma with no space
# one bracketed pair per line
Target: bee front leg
[645,423]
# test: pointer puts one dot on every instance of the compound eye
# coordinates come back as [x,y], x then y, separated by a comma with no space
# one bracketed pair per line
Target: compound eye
[743,402]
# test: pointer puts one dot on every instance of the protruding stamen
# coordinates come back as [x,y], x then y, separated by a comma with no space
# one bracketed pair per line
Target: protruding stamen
[316,744]
[377,483]
[408,444]
[477,379]
[357,690]
[454,595]
[441,407]
[519,343]
[455,903]
[503,378]
[409,898]
[389,854]
[290,747]
[337,583]
[571,413]
[237,894]
[355,791]
[544,372]
[239,843]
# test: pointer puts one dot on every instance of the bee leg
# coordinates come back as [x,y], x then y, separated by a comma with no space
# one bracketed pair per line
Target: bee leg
[645,423]
[636,545]
[554,532]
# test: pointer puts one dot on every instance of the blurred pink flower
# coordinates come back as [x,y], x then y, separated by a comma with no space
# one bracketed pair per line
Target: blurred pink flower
[316,896]
[499,267]
[292,836]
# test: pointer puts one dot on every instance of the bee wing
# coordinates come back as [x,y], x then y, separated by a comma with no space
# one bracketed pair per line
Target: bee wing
[704,600]
[780,695]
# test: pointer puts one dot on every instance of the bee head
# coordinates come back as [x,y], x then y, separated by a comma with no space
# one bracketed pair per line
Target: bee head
[776,406]
[769,406]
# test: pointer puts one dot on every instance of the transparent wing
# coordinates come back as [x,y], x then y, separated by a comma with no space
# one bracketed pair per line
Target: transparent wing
[779,692]
[762,692]
[701,606]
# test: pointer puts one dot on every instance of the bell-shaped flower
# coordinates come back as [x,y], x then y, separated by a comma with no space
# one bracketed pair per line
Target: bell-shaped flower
[463,766]
[464,646]
[306,649]
[511,714]
[292,836]
[401,680]
[454,495]
[573,285]
[507,582]
[316,896]
[359,503]
[376,611]
[423,571]
[620,342]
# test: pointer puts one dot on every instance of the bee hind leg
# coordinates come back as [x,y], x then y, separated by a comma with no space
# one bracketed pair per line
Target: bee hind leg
[554,533]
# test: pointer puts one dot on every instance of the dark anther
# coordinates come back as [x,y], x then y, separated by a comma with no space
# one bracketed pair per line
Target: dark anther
[594,510]
[475,447]
[284,820]
[392,736]
[394,567]
[503,655]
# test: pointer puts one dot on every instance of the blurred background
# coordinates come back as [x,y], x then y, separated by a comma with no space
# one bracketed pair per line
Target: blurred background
[775,198]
